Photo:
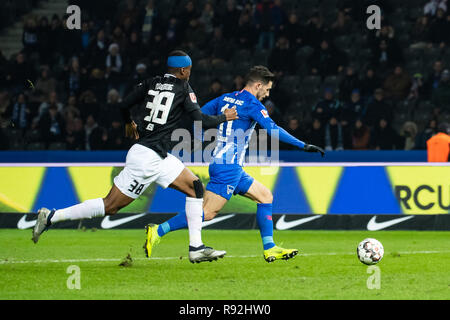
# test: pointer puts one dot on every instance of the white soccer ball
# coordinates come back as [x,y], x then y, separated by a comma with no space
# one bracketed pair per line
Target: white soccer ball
[370,251]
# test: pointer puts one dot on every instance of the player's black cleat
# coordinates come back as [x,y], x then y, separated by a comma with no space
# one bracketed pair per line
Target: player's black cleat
[203,253]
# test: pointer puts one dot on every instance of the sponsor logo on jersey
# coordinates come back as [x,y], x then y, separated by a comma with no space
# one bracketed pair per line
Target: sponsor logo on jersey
[264,113]
[233,101]
[230,189]
[193,97]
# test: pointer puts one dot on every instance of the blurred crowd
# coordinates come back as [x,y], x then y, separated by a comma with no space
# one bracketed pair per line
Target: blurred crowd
[339,85]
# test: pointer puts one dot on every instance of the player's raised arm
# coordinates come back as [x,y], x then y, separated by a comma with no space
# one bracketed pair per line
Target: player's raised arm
[261,116]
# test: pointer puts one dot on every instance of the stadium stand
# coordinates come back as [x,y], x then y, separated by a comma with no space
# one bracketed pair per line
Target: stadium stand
[310,45]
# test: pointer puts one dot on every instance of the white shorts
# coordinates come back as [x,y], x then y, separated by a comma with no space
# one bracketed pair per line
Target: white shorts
[143,167]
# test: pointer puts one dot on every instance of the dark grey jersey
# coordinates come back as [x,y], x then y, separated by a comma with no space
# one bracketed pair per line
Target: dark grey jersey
[160,102]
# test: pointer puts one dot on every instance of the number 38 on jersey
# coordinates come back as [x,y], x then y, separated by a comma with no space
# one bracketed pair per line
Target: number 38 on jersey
[159,107]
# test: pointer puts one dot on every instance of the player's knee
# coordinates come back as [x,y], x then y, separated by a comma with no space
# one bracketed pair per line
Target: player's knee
[198,189]
[266,196]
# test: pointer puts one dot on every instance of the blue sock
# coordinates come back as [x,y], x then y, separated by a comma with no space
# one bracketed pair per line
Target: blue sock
[175,223]
[265,224]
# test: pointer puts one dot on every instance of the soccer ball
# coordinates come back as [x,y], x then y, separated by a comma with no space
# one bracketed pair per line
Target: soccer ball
[370,251]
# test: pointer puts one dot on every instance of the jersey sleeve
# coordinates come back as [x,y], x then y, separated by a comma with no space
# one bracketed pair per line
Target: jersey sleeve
[259,113]
[137,95]
[207,120]
[211,107]
[190,100]
[192,107]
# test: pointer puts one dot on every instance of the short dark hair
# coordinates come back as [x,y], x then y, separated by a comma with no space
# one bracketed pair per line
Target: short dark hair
[178,53]
[259,73]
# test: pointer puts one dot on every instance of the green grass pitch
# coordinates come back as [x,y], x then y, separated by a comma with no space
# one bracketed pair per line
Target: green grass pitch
[416,265]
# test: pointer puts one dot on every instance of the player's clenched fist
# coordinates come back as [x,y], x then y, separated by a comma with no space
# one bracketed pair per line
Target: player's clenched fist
[313,148]
[231,113]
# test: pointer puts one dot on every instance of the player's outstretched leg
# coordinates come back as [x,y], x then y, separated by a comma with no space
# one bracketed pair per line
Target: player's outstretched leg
[198,252]
[85,210]
[212,203]
[155,232]
[261,194]
[113,202]
[265,223]
[190,185]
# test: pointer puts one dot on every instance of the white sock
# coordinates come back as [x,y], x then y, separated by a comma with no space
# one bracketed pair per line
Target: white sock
[194,215]
[85,210]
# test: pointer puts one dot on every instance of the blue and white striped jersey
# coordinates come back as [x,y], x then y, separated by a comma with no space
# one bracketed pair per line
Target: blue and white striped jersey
[233,137]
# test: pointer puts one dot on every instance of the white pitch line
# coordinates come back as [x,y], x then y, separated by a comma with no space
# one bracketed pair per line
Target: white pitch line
[178,258]
[100,260]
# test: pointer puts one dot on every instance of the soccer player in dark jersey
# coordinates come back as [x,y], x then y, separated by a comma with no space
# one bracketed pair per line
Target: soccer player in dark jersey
[228,178]
[161,102]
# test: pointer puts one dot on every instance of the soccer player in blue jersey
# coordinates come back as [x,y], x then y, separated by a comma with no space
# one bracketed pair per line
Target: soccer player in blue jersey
[226,174]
